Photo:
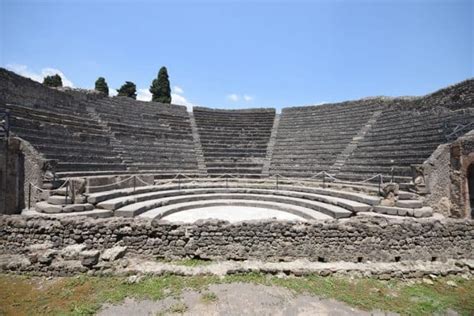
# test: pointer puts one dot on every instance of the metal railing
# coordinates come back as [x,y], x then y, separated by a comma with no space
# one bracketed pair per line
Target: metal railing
[180,179]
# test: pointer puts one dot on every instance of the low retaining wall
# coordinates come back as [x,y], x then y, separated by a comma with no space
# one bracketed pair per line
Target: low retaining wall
[357,239]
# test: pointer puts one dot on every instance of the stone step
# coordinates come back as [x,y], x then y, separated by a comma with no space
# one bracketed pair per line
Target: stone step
[59,200]
[401,211]
[95,213]
[306,213]
[349,204]
[45,207]
[409,203]
[141,207]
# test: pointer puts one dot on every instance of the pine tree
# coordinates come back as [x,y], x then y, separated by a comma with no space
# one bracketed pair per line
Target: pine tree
[101,86]
[129,89]
[160,87]
[53,81]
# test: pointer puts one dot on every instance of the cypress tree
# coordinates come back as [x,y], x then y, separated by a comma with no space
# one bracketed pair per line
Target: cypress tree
[160,87]
[53,81]
[101,86]
[129,89]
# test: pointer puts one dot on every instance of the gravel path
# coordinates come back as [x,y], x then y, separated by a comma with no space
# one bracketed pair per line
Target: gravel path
[236,299]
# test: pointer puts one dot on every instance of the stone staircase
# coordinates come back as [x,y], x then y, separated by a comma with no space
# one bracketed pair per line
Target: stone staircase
[352,146]
[197,145]
[270,147]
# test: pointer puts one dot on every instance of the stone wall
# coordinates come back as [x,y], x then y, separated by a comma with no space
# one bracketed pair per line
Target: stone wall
[16,89]
[437,178]
[359,239]
[445,175]
[24,165]
[35,166]
[11,173]
[457,96]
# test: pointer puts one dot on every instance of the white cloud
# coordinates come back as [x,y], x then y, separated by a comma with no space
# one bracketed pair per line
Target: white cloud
[236,97]
[181,100]
[143,95]
[113,92]
[233,97]
[48,71]
[176,97]
[178,90]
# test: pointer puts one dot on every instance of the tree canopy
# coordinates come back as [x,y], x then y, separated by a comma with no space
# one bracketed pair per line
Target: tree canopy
[53,81]
[101,86]
[129,89]
[160,87]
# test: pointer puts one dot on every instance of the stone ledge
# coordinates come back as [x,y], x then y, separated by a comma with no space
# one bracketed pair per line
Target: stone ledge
[139,266]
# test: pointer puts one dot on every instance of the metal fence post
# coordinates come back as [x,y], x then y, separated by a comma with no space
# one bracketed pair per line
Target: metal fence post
[179,182]
[67,192]
[29,195]
[380,184]
[73,192]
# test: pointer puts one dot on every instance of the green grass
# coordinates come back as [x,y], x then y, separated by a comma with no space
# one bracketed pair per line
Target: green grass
[84,295]
[209,297]
[178,308]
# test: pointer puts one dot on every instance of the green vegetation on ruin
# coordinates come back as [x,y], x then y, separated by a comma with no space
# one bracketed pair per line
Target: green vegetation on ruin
[186,262]
[84,295]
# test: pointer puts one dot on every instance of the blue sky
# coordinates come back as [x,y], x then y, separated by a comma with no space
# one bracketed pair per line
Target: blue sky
[245,53]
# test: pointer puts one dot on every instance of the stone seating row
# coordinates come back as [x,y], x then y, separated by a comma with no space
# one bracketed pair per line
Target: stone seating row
[47,131]
[66,166]
[48,127]
[323,121]
[151,136]
[230,139]
[310,138]
[335,203]
[33,115]
[157,120]
[398,138]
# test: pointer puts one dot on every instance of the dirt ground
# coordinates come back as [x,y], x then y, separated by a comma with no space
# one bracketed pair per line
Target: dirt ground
[236,299]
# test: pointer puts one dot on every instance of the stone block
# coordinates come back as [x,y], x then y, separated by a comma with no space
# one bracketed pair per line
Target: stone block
[114,253]
[89,258]
[72,252]
[47,257]
[423,212]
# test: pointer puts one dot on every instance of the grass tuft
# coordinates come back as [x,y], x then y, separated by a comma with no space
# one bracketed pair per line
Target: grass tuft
[84,295]
[209,297]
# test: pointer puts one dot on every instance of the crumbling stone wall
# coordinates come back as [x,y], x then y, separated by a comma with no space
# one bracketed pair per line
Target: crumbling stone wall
[11,173]
[16,89]
[458,96]
[438,180]
[20,164]
[20,90]
[35,167]
[446,179]
[358,239]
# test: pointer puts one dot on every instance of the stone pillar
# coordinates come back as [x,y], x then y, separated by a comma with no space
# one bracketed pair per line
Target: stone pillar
[11,177]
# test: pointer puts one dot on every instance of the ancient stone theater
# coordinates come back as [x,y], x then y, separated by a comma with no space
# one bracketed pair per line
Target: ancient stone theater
[380,179]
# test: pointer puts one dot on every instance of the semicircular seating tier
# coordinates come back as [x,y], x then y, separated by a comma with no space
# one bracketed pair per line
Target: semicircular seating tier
[234,141]
[88,134]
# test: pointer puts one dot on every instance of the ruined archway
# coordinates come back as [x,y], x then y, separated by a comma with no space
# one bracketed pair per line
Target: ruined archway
[470,187]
